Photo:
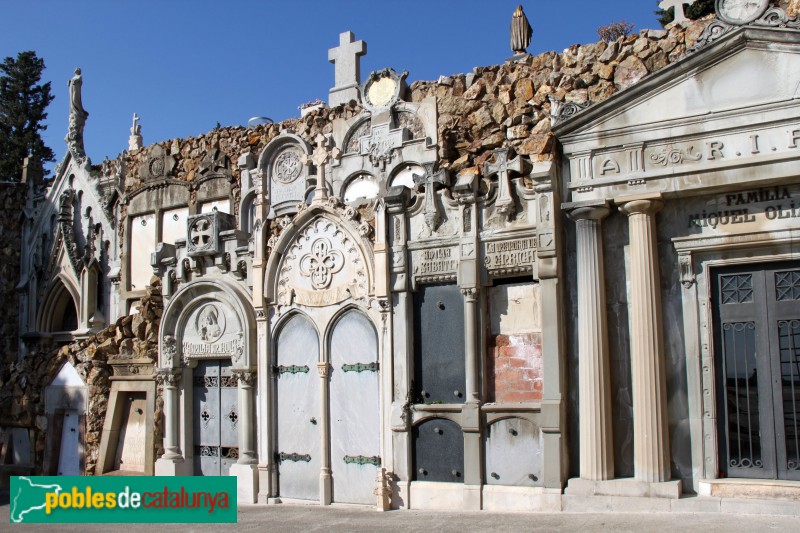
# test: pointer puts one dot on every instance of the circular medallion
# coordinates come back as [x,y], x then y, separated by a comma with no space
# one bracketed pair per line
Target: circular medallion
[156,166]
[287,166]
[381,92]
[739,12]
[210,323]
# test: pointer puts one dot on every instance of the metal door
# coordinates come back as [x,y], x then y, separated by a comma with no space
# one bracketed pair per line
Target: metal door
[216,418]
[439,361]
[757,344]
[68,455]
[298,406]
[355,409]
[439,451]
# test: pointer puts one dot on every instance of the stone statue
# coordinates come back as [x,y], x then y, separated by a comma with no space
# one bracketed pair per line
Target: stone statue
[75,103]
[521,31]
[77,118]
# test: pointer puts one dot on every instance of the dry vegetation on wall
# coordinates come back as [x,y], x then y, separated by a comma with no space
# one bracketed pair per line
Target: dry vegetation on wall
[496,106]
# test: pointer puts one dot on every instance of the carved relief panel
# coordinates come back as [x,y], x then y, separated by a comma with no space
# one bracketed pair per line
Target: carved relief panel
[213,331]
[322,267]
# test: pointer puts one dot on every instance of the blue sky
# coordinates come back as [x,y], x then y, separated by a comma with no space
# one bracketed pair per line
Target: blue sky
[183,66]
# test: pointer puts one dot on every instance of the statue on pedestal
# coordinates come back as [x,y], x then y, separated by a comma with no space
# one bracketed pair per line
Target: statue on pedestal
[521,31]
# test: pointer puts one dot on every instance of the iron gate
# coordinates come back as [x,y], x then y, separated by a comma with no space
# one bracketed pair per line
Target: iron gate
[216,418]
[757,345]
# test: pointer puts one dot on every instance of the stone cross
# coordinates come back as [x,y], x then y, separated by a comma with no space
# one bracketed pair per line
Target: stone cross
[347,62]
[430,180]
[135,140]
[680,16]
[502,167]
[320,157]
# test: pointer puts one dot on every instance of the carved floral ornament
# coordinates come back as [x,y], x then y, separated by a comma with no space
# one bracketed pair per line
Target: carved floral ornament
[323,266]
[737,13]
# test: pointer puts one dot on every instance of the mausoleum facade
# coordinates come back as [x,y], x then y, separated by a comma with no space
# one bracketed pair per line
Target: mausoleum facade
[565,281]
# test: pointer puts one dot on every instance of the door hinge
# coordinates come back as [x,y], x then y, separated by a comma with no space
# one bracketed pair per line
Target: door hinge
[296,457]
[361,367]
[362,460]
[293,369]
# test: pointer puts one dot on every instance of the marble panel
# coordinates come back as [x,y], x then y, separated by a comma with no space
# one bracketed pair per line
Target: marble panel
[223,206]
[298,410]
[142,244]
[173,224]
[355,409]
[513,453]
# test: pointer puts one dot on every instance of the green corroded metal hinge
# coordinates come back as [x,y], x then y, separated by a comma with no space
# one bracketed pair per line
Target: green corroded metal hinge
[293,369]
[361,367]
[361,460]
[296,457]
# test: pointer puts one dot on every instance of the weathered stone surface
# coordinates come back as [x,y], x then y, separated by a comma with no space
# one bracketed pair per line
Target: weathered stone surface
[629,72]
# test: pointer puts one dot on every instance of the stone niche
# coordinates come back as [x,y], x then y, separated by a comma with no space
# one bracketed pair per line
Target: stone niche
[286,176]
[515,343]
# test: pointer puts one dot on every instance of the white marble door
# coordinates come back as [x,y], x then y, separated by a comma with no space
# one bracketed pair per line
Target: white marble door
[355,409]
[298,407]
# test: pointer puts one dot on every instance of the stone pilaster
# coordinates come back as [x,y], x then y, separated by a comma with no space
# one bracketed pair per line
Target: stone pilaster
[325,478]
[596,444]
[651,438]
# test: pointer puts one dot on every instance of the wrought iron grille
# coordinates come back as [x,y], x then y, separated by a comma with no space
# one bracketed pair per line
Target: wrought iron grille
[789,339]
[787,285]
[744,436]
[737,288]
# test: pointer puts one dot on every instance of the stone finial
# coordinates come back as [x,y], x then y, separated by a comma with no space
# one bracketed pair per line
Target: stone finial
[521,31]
[347,62]
[135,140]
[680,15]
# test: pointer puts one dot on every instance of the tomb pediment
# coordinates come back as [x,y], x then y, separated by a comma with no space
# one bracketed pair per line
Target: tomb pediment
[749,68]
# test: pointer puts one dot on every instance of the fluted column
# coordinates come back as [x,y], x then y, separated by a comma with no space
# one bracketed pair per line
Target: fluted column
[650,436]
[247,422]
[169,379]
[596,440]
[325,479]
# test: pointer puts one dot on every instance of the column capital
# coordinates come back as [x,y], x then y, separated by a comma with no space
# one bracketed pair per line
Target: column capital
[168,377]
[245,377]
[587,210]
[640,205]
[470,293]
[324,369]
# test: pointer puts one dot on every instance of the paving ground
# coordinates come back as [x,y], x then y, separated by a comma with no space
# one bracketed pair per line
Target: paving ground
[290,518]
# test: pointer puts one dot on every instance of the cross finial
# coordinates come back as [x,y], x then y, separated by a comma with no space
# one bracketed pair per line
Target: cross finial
[320,157]
[430,180]
[347,61]
[502,167]
[680,16]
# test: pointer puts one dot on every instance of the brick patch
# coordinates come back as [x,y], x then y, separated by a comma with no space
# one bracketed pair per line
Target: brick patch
[515,373]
